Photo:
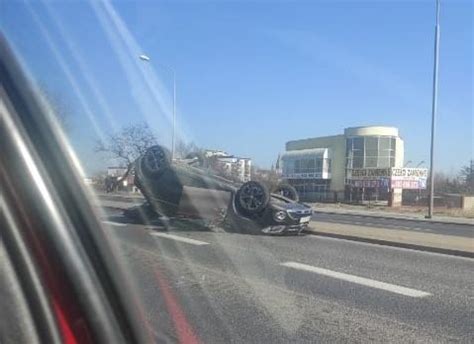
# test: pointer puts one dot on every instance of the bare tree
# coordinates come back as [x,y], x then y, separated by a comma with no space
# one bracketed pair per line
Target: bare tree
[129,143]
[447,184]
[183,149]
[466,176]
[268,177]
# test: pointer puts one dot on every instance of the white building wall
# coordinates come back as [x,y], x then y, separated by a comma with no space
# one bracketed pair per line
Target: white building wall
[337,150]
[399,152]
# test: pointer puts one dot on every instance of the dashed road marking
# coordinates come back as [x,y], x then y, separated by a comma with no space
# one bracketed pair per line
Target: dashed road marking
[180,238]
[114,223]
[358,280]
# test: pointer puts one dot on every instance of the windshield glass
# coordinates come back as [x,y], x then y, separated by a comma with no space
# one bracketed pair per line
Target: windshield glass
[271,171]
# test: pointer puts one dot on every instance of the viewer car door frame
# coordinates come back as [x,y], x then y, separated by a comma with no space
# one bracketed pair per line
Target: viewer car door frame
[67,273]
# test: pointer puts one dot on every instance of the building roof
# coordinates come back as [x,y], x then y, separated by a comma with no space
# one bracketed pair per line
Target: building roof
[371,130]
[305,153]
[316,137]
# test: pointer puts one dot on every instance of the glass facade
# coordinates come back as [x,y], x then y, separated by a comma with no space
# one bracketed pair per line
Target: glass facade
[305,165]
[370,151]
[312,189]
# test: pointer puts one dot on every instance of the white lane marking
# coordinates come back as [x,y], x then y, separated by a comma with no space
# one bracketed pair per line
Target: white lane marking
[180,238]
[359,280]
[114,223]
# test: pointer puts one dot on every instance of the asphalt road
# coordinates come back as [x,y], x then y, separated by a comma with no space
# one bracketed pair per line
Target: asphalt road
[218,287]
[462,230]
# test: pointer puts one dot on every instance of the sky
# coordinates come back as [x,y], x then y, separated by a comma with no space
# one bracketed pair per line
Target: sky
[252,75]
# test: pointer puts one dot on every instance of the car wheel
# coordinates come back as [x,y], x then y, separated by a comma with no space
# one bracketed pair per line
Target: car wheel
[252,197]
[288,191]
[155,160]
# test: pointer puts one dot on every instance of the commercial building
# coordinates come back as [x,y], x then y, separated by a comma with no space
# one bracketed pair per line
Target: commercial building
[364,163]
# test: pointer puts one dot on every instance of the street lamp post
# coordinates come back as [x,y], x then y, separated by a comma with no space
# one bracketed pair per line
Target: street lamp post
[433,110]
[173,137]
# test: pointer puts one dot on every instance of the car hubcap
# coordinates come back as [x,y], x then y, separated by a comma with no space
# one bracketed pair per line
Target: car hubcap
[251,197]
[155,159]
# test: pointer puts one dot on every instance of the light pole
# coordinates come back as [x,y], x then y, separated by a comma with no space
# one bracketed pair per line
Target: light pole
[146,58]
[420,163]
[408,163]
[433,110]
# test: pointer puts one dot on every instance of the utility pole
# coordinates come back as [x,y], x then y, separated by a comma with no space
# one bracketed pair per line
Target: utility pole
[433,110]
[173,140]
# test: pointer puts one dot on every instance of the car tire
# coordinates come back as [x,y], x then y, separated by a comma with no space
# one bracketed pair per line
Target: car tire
[288,191]
[252,197]
[155,160]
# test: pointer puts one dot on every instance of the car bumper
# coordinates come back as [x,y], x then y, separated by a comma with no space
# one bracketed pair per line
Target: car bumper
[284,229]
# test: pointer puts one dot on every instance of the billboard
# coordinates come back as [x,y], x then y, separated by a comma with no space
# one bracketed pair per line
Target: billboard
[369,173]
[371,183]
[395,177]
[407,173]
[408,184]
[409,178]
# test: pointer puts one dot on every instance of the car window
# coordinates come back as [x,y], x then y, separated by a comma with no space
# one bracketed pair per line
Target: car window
[258,171]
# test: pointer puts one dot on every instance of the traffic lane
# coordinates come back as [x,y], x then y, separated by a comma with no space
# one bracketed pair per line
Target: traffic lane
[449,303]
[401,224]
[421,270]
[260,259]
[216,306]
[415,268]
[409,266]
[226,307]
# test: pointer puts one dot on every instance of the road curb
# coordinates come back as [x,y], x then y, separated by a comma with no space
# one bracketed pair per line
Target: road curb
[394,218]
[393,244]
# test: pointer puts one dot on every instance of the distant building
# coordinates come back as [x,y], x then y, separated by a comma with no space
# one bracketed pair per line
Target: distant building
[128,184]
[215,152]
[364,163]
[116,171]
[236,168]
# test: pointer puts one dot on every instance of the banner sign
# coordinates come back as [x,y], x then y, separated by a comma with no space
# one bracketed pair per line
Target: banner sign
[409,184]
[305,176]
[410,172]
[395,178]
[369,173]
[371,183]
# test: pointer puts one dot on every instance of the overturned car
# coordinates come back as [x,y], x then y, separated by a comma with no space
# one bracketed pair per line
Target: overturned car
[180,189]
